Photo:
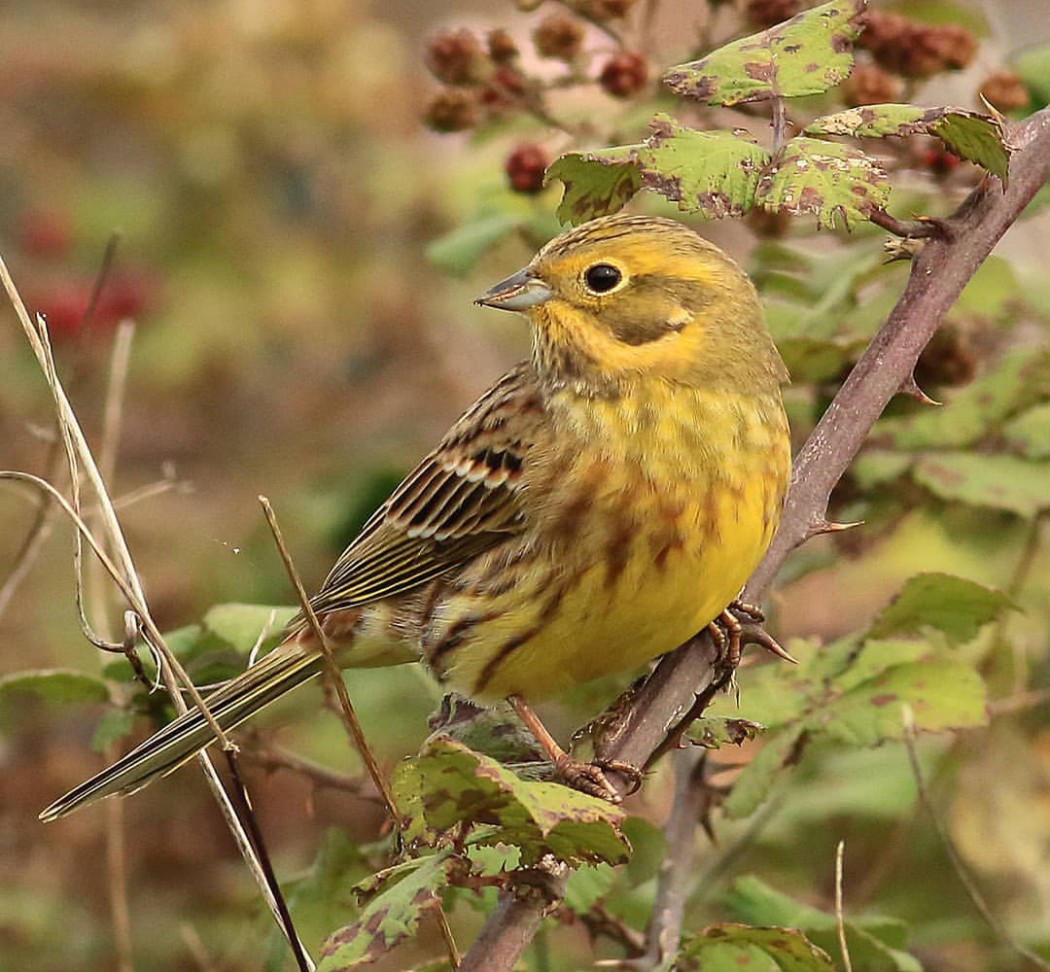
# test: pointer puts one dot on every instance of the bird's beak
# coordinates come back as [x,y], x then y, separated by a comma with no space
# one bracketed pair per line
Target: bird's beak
[517,293]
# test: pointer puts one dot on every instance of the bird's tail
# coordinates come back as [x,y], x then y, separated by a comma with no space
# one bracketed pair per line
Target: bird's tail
[288,665]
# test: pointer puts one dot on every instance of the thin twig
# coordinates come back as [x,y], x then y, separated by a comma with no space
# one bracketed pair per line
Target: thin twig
[101,600]
[915,229]
[961,871]
[677,868]
[273,760]
[840,921]
[36,536]
[117,874]
[353,724]
[246,814]
[454,958]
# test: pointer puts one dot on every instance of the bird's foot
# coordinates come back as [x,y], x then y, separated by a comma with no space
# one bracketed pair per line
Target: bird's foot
[740,624]
[590,777]
[586,777]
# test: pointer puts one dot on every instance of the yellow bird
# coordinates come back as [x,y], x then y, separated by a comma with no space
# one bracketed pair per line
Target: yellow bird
[597,506]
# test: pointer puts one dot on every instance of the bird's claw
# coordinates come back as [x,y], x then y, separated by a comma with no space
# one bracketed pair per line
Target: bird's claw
[590,778]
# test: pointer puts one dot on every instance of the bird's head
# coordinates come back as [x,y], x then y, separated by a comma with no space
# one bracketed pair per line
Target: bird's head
[628,298]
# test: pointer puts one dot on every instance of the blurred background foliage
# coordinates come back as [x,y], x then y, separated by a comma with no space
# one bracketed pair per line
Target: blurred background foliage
[298,247]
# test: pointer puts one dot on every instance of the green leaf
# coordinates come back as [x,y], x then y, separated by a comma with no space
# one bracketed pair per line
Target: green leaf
[805,55]
[1020,378]
[460,786]
[1033,64]
[787,947]
[757,778]
[875,467]
[818,360]
[115,724]
[391,916]
[1030,432]
[871,941]
[60,686]
[971,135]
[458,251]
[941,695]
[998,482]
[869,121]
[242,626]
[596,184]
[586,885]
[954,605]
[825,179]
[713,173]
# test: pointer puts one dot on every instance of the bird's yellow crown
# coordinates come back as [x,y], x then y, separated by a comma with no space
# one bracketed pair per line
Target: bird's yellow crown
[637,298]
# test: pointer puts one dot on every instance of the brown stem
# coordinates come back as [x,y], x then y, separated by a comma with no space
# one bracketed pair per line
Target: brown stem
[676,871]
[939,272]
[512,925]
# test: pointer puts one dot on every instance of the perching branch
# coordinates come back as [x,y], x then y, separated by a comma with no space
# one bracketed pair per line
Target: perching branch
[940,270]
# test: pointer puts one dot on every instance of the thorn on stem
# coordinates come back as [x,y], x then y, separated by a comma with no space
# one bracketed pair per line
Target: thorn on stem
[910,387]
[824,525]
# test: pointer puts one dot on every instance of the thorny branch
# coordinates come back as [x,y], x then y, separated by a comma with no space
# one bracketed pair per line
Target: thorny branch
[941,269]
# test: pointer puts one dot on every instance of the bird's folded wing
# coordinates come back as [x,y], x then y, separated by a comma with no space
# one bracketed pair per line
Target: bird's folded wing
[461,500]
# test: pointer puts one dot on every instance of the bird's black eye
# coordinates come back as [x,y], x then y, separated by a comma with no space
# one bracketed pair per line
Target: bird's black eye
[602,277]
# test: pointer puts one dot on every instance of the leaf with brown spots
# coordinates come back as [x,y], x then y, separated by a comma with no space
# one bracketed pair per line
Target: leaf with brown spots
[714,732]
[596,183]
[830,181]
[713,173]
[458,786]
[973,136]
[411,890]
[940,694]
[731,946]
[873,942]
[805,55]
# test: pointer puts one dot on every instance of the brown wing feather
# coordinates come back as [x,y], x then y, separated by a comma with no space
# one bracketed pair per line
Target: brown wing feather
[462,499]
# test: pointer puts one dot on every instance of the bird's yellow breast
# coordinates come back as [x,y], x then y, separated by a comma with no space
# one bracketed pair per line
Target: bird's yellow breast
[664,507]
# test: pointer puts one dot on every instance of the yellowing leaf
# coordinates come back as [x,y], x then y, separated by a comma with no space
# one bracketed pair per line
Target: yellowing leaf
[969,134]
[713,173]
[731,946]
[459,786]
[805,55]
[831,181]
[596,184]
[391,916]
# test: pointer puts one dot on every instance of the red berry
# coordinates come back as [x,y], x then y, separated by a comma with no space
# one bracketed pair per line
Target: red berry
[451,110]
[558,36]
[624,74]
[502,47]
[525,167]
[456,57]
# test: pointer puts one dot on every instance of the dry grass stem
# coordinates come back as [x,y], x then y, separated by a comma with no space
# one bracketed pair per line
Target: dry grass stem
[122,569]
[332,671]
[840,921]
